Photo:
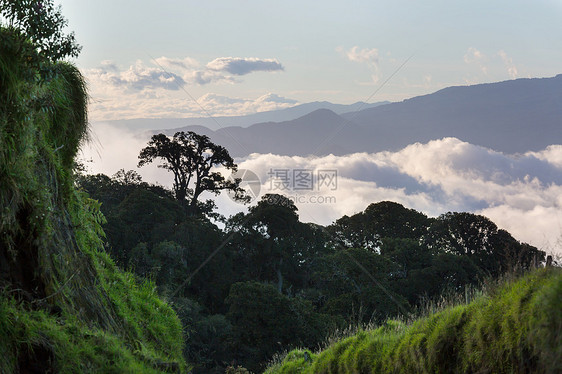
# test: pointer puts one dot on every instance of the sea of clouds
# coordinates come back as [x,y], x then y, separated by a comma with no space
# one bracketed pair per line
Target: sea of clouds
[521,193]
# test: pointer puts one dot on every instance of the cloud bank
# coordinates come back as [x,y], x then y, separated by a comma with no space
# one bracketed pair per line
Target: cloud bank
[137,77]
[159,88]
[520,193]
[236,106]
[173,73]
[160,105]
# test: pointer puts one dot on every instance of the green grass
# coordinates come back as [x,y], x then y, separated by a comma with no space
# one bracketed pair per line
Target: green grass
[64,305]
[149,322]
[516,328]
[148,339]
[71,346]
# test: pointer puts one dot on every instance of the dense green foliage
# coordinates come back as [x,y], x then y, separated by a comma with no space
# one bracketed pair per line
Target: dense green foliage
[64,305]
[517,328]
[267,282]
[42,24]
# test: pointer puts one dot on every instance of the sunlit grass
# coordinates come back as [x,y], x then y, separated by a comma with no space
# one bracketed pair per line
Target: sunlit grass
[516,327]
[82,313]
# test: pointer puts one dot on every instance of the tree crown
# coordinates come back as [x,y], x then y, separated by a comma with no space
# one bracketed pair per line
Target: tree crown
[191,158]
[42,23]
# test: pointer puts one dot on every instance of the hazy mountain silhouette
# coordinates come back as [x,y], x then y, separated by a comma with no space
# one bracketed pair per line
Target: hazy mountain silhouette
[315,133]
[512,116]
[218,122]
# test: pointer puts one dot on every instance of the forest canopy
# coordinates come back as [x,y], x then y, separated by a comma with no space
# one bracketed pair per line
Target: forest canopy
[273,271]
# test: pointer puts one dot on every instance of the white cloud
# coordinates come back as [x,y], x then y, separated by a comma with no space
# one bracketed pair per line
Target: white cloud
[540,226]
[214,99]
[203,77]
[243,66]
[156,90]
[474,56]
[509,65]
[112,148]
[488,64]
[173,73]
[440,176]
[114,104]
[223,105]
[186,63]
[368,56]
[109,65]
[552,154]
[274,98]
[137,77]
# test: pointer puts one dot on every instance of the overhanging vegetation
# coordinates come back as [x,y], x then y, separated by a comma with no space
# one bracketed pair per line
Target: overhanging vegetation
[64,305]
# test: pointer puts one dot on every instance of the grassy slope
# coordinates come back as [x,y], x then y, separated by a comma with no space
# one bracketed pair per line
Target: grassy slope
[64,305]
[516,329]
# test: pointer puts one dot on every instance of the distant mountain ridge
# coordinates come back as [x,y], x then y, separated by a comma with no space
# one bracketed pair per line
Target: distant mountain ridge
[217,122]
[302,136]
[512,116]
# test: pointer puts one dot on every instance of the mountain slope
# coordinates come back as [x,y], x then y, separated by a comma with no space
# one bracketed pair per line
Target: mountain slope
[513,117]
[319,132]
[218,122]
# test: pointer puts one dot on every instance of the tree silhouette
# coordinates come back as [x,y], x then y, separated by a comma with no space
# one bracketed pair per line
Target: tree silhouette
[191,158]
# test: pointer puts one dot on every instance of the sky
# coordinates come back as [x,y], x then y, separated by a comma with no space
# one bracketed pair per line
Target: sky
[175,59]
[161,59]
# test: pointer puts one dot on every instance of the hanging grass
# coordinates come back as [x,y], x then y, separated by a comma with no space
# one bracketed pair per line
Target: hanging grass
[64,305]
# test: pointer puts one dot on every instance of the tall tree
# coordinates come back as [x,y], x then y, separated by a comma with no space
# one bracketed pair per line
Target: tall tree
[191,158]
[41,22]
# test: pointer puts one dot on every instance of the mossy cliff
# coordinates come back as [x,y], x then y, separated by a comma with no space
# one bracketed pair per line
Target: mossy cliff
[64,305]
[517,328]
